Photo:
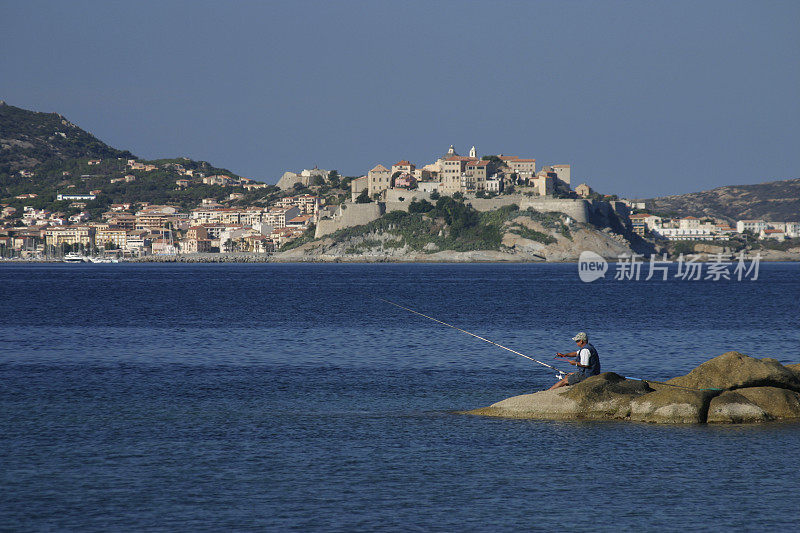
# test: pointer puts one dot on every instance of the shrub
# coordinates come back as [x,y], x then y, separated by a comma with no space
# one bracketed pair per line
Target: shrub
[363,198]
[422,206]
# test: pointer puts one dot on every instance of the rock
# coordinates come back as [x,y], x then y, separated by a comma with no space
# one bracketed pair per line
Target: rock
[733,370]
[602,397]
[709,248]
[288,180]
[671,405]
[778,404]
[548,405]
[607,395]
[734,408]
[764,390]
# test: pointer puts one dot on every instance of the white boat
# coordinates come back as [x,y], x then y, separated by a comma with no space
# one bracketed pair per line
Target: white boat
[75,258]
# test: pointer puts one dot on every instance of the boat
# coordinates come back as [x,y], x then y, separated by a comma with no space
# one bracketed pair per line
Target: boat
[75,258]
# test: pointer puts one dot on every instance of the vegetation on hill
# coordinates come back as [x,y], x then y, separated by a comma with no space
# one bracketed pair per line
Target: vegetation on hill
[777,201]
[30,138]
[449,224]
[76,176]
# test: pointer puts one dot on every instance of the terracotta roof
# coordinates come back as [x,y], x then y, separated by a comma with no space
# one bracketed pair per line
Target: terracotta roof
[402,163]
[380,168]
[518,160]
[478,163]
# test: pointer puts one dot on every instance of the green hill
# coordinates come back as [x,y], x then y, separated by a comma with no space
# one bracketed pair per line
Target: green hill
[43,154]
[29,139]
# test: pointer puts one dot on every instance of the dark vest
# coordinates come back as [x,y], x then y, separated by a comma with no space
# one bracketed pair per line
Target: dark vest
[594,361]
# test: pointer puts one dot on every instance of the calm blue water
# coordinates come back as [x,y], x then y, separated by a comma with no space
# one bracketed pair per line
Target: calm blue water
[288,396]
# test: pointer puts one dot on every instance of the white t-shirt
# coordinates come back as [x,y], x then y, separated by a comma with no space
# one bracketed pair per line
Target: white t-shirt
[583,356]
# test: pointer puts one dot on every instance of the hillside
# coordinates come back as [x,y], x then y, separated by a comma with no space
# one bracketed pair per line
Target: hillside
[43,154]
[30,138]
[453,231]
[777,201]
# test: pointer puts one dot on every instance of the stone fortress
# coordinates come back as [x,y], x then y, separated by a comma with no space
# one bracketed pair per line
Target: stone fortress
[393,189]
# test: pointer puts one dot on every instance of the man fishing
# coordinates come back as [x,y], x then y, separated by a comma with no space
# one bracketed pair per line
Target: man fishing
[586,359]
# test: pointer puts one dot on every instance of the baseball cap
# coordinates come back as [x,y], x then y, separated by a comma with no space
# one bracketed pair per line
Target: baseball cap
[581,337]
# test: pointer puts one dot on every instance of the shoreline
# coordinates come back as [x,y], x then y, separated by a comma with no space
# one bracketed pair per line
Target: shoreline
[261,258]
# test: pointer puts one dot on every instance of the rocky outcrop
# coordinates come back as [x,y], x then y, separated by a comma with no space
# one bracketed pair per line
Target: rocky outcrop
[730,388]
[735,408]
[755,404]
[304,178]
[733,370]
[671,406]
[517,244]
[288,181]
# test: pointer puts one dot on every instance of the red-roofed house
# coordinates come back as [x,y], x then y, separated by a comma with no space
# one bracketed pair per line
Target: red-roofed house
[774,234]
[404,167]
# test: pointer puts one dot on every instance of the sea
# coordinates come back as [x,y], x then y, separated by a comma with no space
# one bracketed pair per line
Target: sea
[276,397]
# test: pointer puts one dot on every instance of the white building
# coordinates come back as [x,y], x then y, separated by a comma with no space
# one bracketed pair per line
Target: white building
[756,226]
[704,233]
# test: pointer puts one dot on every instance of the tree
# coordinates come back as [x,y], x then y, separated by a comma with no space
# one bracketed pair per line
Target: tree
[458,195]
[317,180]
[435,195]
[423,206]
[363,198]
[333,178]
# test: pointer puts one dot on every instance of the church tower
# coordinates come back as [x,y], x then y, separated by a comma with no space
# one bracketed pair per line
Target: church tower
[473,153]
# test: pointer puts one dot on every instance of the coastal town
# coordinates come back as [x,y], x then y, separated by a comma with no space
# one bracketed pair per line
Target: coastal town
[311,203]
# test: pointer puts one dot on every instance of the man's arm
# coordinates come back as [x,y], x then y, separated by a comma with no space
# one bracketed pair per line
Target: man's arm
[577,361]
[570,354]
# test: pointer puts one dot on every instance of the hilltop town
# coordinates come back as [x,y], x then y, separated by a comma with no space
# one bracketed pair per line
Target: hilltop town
[114,206]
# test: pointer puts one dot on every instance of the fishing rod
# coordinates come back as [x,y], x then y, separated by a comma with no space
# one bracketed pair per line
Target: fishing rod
[561,372]
[474,335]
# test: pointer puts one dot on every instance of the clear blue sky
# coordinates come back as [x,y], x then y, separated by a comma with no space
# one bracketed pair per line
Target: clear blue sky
[642,98]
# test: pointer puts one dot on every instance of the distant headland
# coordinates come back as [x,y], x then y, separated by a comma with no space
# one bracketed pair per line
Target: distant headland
[66,194]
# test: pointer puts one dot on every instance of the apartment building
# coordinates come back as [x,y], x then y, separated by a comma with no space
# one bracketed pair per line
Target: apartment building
[82,235]
[117,236]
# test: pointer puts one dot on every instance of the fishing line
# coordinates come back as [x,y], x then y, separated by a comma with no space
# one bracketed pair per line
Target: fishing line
[474,335]
[561,372]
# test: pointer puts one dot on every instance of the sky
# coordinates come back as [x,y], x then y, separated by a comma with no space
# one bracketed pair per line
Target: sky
[641,98]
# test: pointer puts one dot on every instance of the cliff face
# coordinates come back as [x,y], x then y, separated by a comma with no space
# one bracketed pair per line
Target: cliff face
[777,201]
[521,238]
